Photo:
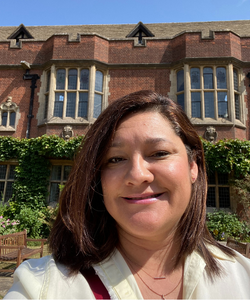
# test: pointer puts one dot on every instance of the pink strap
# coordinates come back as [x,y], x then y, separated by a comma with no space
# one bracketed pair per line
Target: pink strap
[95,283]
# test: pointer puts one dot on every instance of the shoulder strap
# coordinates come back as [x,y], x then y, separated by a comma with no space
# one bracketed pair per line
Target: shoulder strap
[95,283]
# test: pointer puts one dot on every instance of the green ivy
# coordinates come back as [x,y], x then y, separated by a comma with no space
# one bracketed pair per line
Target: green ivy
[228,156]
[30,189]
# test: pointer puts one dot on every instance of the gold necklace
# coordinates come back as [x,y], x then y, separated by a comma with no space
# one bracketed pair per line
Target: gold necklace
[156,278]
[161,295]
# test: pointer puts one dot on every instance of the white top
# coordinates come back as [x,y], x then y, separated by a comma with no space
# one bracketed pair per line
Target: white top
[44,279]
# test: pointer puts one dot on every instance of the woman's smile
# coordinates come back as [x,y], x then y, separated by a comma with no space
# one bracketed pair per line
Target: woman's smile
[143,199]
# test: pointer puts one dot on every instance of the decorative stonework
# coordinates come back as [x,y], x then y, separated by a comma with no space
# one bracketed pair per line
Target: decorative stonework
[211,134]
[9,105]
[67,132]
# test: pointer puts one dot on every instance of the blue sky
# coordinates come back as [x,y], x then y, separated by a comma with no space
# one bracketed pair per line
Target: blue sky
[77,12]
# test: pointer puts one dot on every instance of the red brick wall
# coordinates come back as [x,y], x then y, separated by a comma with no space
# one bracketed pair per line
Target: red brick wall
[12,84]
[123,82]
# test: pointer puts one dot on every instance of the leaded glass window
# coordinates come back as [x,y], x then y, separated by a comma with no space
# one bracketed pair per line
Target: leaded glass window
[218,194]
[60,79]
[196,104]
[208,78]
[72,94]
[72,79]
[209,104]
[59,176]
[195,78]
[221,78]
[7,177]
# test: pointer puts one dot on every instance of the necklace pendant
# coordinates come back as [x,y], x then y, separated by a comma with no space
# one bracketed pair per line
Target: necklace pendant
[163,298]
[161,277]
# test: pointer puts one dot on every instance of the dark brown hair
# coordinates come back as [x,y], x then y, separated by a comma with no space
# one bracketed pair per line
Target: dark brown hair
[84,233]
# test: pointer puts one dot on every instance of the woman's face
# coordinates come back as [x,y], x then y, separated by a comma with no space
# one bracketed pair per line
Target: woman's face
[146,177]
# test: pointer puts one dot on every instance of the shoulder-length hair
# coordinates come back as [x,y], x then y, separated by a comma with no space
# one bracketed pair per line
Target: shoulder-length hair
[84,233]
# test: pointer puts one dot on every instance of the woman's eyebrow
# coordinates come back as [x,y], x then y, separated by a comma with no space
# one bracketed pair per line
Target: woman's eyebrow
[150,141]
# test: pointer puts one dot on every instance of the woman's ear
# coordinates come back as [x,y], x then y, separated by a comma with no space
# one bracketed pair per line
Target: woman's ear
[193,171]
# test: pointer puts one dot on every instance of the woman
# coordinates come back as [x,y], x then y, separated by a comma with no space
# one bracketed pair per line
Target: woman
[134,209]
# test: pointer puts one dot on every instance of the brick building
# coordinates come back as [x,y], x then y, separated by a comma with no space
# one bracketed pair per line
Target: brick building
[74,72]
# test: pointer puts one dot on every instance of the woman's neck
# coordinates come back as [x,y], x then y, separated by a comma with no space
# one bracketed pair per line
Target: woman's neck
[158,256]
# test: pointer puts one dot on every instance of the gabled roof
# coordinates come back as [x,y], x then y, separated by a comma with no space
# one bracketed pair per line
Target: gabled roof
[21,32]
[120,31]
[140,27]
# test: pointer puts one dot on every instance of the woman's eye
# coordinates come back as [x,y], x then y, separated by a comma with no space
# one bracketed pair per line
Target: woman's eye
[160,154]
[115,160]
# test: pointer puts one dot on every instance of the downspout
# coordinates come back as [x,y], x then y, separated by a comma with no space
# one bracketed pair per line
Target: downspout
[33,78]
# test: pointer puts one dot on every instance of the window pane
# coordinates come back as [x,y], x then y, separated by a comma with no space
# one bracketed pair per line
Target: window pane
[221,78]
[222,178]
[48,81]
[211,178]
[9,191]
[83,105]
[60,79]
[84,79]
[180,81]
[54,192]
[1,190]
[97,105]
[4,119]
[3,169]
[235,80]
[46,104]
[195,78]
[222,105]
[224,197]
[12,172]
[211,197]
[180,100]
[72,79]
[56,173]
[67,170]
[196,104]
[12,119]
[209,104]
[208,78]
[71,105]
[98,81]
[58,108]
[237,106]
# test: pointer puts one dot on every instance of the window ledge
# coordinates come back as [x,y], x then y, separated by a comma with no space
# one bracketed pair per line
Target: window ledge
[62,121]
[8,129]
[219,122]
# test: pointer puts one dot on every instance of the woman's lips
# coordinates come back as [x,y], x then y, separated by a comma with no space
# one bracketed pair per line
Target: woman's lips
[143,199]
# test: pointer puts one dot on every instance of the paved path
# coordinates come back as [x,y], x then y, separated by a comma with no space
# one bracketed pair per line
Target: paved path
[6,280]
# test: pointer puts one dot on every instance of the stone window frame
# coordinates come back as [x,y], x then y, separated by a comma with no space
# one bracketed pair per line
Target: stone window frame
[48,90]
[218,184]
[185,94]
[8,107]
[6,180]
[57,181]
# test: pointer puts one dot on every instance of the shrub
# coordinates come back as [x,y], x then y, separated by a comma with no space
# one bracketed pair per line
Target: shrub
[8,226]
[222,224]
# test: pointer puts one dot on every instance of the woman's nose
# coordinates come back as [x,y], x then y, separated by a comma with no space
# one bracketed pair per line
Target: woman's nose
[138,172]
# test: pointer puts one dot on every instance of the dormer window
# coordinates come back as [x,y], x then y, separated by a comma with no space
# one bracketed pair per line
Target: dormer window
[140,31]
[20,33]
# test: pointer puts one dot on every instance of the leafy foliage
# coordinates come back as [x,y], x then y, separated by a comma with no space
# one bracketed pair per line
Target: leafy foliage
[30,189]
[228,156]
[222,224]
